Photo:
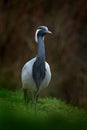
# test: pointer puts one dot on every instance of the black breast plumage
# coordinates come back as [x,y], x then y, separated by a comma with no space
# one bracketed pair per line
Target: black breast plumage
[39,71]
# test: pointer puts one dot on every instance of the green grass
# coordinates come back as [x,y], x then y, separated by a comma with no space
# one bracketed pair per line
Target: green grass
[52,114]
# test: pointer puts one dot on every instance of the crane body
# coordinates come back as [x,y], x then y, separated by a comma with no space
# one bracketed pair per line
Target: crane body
[36,73]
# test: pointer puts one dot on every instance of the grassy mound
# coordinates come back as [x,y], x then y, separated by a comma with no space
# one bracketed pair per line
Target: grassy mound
[52,114]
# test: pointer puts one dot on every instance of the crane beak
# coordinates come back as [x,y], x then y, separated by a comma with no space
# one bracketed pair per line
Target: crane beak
[49,32]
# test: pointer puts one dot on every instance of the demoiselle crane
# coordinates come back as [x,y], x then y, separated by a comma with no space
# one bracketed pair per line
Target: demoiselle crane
[36,73]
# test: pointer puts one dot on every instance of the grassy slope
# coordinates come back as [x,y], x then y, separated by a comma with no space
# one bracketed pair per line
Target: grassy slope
[52,113]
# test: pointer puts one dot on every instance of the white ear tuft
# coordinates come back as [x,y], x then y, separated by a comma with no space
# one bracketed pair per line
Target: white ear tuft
[36,35]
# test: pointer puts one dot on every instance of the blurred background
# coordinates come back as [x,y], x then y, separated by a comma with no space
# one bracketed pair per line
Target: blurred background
[66,48]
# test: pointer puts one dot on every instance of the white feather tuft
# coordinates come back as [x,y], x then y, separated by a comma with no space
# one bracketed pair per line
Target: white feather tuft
[36,39]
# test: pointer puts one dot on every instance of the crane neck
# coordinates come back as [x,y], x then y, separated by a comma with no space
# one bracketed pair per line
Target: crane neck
[41,48]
